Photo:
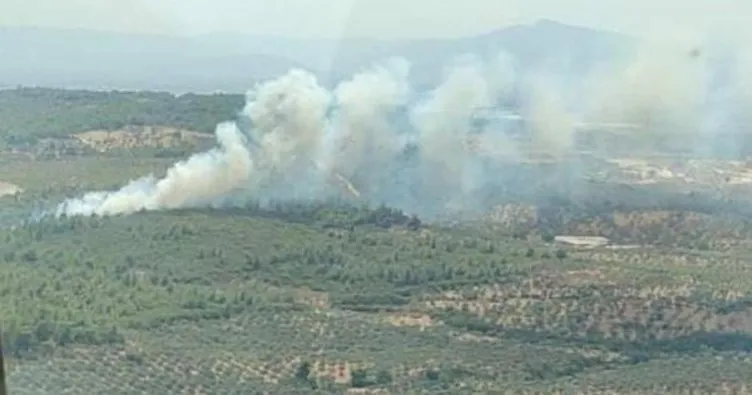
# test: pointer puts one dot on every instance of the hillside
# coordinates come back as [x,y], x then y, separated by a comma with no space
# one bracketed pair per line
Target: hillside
[28,114]
[332,297]
[219,301]
[254,295]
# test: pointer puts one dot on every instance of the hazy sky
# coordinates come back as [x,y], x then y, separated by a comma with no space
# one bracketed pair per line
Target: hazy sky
[377,18]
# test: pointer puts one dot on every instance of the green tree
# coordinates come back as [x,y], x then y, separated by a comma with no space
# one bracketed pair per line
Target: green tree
[359,378]
[383,377]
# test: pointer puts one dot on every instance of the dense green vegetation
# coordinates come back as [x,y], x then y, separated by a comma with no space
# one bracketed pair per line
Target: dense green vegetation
[326,297]
[295,287]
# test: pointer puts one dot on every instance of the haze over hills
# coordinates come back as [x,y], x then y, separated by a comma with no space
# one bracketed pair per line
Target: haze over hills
[231,61]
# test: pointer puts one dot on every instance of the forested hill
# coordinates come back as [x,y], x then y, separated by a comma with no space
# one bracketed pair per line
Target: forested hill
[27,114]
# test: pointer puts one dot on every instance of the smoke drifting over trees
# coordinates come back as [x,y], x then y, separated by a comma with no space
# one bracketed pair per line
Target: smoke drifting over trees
[377,137]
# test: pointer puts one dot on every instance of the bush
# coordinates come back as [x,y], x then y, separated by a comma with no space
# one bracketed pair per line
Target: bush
[561,253]
[359,378]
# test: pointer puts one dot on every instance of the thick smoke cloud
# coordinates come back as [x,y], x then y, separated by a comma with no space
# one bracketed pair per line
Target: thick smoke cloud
[689,98]
[374,137]
[658,91]
[196,182]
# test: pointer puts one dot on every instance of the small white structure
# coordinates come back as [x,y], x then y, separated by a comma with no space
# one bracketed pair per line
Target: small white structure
[582,241]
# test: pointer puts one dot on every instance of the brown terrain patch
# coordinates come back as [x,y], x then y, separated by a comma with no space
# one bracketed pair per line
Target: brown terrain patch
[367,391]
[8,189]
[661,308]
[420,320]
[484,299]
[582,277]
[645,219]
[141,137]
[469,337]
[514,215]
[696,171]
[312,298]
[340,372]
[270,372]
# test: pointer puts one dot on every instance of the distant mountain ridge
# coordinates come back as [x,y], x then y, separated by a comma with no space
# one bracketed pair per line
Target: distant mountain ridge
[232,62]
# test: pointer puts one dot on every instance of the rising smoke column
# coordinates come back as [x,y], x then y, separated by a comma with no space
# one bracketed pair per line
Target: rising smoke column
[289,125]
[363,133]
[399,148]
[299,134]
[422,151]
[451,170]
[551,125]
[661,90]
[196,182]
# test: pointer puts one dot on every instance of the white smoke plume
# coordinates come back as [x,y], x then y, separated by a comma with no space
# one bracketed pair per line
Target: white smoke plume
[361,137]
[656,90]
[552,126]
[375,137]
[198,181]
[678,95]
